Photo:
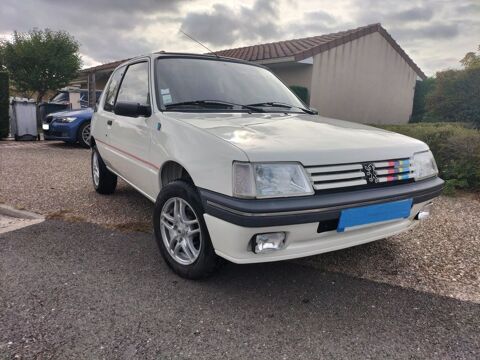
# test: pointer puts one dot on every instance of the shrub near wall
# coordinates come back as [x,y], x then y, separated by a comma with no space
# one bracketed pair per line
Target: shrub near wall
[455,96]
[456,149]
[422,90]
[4,119]
[301,92]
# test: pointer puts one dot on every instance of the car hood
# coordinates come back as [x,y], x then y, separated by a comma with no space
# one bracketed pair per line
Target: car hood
[309,139]
[87,112]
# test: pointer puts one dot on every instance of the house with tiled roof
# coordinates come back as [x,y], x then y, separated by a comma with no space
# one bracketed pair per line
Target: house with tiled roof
[359,75]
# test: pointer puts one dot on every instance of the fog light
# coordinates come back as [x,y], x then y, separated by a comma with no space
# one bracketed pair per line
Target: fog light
[425,212]
[263,243]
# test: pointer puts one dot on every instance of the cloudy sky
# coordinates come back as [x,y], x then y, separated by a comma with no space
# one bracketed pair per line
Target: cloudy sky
[435,33]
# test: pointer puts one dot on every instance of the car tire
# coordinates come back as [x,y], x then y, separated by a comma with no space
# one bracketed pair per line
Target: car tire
[83,136]
[104,181]
[195,257]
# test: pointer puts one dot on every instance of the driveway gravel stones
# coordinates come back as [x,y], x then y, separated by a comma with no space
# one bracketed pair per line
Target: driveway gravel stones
[53,178]
[440,256]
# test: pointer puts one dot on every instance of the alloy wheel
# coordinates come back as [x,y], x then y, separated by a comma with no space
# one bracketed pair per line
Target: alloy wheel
[180,230]
[95,169]
[86,134]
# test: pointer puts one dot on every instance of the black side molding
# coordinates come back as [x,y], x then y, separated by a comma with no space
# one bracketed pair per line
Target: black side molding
[308,209]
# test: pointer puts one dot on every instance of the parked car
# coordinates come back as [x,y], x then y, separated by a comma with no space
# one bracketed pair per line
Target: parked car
[70,126]
[240,169]
[63,97]
[61,102]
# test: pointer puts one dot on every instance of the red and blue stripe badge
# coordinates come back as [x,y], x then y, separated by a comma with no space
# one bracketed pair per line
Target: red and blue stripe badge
[399,167]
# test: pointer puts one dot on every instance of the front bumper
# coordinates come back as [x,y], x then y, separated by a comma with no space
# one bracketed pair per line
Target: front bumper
[61,131]
[232,223]
[305,209]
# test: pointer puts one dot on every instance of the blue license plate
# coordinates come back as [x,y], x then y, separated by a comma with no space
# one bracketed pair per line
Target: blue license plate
[374,213]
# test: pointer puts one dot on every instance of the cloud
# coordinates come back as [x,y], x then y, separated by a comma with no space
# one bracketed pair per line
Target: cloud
[106,30]
[315,23]
[319,15]
[433,32]
[418,13]
[223,25]
[395,13]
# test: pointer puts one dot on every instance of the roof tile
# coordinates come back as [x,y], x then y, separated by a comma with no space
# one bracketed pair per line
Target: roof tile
[305,47]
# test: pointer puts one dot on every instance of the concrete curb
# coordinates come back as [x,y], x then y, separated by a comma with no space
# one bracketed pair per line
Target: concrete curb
[23,214]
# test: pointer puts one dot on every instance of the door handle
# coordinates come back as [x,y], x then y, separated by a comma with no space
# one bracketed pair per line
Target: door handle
[109,122]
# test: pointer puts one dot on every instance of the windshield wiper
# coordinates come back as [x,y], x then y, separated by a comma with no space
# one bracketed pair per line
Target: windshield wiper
[283,105]
[212,102]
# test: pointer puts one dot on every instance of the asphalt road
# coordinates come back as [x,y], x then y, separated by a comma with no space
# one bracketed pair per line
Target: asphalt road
[78,290]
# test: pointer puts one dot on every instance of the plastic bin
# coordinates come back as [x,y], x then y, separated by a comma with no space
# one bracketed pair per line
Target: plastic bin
[24,120]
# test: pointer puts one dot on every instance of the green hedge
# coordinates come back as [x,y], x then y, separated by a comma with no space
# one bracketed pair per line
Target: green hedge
[422,90]
[4,96]
[455,96]
[456,148]
[301,92]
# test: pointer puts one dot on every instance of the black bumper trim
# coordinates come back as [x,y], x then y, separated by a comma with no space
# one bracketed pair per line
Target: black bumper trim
[310,209]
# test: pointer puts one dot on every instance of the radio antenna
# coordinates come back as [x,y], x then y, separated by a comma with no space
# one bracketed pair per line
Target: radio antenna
[198,42]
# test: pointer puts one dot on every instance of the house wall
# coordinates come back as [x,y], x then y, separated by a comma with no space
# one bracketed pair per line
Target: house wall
[365,81]
[294,74]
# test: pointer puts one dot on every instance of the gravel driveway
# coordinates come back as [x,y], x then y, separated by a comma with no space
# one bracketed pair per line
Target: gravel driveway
[441,256]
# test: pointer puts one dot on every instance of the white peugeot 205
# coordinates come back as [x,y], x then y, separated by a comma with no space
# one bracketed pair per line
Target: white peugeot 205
[240,169]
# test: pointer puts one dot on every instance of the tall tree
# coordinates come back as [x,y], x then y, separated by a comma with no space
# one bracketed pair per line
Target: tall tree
[471,60]
[41,60]
[456,95]
[4,118]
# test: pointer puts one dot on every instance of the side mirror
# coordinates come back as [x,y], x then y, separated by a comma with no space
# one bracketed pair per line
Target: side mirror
[131,109]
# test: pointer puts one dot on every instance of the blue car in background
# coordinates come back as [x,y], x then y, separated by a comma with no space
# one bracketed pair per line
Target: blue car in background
[70,126]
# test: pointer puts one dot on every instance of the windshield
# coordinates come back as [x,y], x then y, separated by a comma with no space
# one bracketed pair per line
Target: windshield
[187,80]
[60,97]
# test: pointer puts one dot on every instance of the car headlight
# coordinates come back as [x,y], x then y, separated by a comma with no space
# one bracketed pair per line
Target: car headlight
[66,119]
[263,180]
[424,165]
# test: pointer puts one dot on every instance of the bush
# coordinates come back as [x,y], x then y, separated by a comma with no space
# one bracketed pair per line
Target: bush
[301,92]
[456,149]
[422,90]
[4,118]
[455,96]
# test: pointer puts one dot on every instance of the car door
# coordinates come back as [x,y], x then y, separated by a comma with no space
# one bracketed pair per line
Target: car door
[130,136]
[105,117]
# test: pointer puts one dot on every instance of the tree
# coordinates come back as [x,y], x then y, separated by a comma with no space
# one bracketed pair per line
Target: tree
[4,117]
[453,95]
[456,95]
[471,60]
[40,60]
[422,89]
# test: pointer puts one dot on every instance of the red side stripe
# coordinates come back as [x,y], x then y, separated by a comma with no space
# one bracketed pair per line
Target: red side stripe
[131,155]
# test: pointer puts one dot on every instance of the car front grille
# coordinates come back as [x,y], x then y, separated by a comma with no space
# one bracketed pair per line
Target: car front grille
[366,174]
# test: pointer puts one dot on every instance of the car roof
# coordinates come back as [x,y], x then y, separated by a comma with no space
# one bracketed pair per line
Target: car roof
[165,54]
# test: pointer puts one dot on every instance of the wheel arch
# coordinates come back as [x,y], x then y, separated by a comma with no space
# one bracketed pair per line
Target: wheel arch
[170,171]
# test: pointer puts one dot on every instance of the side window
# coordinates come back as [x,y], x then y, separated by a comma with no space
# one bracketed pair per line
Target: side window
[134,86]
[111,91]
